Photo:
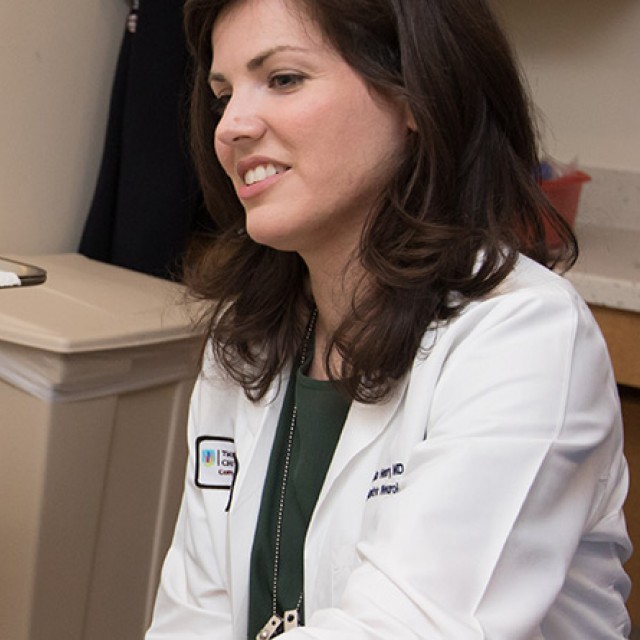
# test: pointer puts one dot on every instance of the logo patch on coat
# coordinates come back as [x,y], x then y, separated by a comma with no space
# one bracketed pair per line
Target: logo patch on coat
[215,462]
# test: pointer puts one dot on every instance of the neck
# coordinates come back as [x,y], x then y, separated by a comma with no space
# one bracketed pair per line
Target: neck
[333,291]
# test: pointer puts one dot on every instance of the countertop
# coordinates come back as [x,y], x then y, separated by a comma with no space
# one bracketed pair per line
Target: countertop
[607,272]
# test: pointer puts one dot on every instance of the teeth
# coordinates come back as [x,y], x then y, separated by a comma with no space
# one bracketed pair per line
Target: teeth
[261,172]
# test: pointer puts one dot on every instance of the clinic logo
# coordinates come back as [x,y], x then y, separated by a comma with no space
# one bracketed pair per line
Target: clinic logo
[215,462]
[209,457]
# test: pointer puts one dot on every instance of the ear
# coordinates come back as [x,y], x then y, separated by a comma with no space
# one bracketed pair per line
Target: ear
[411,121]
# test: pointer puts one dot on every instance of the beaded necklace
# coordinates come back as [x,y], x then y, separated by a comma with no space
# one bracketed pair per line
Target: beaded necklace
[291,618]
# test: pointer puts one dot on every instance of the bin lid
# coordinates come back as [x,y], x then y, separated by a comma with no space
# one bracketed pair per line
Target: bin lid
[86,305]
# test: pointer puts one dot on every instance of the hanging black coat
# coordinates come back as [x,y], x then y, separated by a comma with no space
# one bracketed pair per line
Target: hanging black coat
[146,199]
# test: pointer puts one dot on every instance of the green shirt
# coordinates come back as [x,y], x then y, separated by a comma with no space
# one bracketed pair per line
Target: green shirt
[321,412]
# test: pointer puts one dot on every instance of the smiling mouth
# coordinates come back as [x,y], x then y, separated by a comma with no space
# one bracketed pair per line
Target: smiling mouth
[262,172]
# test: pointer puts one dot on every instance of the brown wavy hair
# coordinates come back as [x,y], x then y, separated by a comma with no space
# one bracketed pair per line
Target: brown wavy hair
[466,187]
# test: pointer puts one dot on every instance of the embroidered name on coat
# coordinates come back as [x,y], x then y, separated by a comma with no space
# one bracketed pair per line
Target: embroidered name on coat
[385,482]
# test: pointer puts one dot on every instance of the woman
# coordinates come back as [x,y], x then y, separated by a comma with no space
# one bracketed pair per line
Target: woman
[406,425]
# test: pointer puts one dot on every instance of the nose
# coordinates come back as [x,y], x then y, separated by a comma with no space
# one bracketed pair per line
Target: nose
[240,122]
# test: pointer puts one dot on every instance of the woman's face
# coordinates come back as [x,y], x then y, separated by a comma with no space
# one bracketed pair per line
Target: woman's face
[305,142]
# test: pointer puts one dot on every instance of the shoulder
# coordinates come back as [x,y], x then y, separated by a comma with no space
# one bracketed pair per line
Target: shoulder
[532,303]
[219,403]
[215,397]
[525,364]
[529,277]
[530,347]
[544,310]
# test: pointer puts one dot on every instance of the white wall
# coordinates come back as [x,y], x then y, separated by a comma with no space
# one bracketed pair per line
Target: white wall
[57,60]
[582,59]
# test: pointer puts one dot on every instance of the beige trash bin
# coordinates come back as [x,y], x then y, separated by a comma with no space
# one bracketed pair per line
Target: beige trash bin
[96,369]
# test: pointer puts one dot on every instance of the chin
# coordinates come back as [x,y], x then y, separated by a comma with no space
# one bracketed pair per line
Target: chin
[269,238]
[278,225]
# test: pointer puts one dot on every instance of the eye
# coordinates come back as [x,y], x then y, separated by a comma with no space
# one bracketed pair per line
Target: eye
[285,81]
[219,103]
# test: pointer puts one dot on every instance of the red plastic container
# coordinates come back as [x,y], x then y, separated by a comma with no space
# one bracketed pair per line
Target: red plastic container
[564,195]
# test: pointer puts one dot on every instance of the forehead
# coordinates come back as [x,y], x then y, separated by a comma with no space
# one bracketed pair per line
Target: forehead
[247,26]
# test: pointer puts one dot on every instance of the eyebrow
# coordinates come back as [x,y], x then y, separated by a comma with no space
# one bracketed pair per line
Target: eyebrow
[257,61]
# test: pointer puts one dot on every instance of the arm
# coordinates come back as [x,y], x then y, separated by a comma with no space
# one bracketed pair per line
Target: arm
[192,600]
[515,493]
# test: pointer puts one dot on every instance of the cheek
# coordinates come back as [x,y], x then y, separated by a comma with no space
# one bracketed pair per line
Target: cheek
[305,128]
[359,129]
[323,138]
[366,145]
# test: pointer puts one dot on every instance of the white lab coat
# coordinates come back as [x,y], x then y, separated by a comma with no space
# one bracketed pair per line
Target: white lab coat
[482,500]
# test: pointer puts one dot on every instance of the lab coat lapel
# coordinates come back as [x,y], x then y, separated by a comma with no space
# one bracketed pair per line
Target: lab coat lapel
[255,430]
[363,426]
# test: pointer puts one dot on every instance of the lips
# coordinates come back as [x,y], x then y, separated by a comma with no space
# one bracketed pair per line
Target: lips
[256,174]
[256,168]
[262,172]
